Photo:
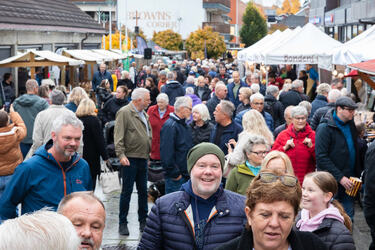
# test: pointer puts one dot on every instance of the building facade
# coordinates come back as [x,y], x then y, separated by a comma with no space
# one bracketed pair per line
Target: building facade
[344,19]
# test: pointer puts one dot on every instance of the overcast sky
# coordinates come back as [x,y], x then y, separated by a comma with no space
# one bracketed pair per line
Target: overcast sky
[269,2]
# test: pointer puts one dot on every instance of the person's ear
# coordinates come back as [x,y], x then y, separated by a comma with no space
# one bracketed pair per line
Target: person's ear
[327,197]
[248,216]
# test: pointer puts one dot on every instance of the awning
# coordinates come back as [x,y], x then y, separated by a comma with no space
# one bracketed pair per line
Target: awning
[85,55]
[109,54]
[367,67]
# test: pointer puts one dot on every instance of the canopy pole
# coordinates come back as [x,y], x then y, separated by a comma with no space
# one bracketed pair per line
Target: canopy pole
[32,68]
[71,75]
[62,80]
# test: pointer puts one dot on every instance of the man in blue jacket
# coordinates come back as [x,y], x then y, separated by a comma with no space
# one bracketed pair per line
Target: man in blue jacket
[54,171]
[101,75]
[234,88]
[202,215]
[175,142]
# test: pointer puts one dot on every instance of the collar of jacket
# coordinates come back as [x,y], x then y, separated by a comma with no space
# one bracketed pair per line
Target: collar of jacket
[321,98]
[43,152]
[243,169]
[177,119]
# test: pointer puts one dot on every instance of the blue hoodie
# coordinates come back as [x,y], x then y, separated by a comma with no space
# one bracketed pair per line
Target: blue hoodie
[40,182]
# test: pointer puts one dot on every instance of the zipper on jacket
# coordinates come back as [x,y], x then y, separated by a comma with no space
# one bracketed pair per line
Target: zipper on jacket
[189,225]
[64,176]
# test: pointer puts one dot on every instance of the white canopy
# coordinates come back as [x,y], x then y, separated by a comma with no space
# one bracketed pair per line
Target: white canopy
[35,58]
[309,46]
[109,54]
[358,49]
[85,55]
[246,54]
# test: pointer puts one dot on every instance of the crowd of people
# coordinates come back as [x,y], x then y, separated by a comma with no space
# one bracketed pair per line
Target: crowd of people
[251,159]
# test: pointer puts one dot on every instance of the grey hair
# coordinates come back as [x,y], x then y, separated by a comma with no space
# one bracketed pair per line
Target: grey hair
[323,88]
[88,196]
[297,83]
[190,79]
[255,88]
[298,110]
[227,107]
[203,111]
[218,85]
[253,140]
[42,230]
[255,75]
[57,97]
[162,96]
[182,101]
[272,90]
[163,73]
[139,93]
[170,75]
[189,90]
[333,95]
[31,84]
[307,106]
[335,81]
[65,120]
[256,96]
[288,109]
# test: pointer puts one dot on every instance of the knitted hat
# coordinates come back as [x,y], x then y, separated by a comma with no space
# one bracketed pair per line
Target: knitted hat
[202,149]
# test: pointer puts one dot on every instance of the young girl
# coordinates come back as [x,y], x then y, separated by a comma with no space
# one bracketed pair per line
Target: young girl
[323,215]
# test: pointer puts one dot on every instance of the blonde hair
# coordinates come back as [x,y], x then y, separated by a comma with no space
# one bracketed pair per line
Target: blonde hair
[86,107]
[246,92]
[77,95]
[253,122]
[278,155]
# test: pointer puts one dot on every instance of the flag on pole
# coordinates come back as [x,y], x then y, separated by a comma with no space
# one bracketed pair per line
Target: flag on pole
[124,49]
[205,49]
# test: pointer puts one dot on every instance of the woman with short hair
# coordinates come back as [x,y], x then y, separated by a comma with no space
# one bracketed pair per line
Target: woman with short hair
[273,200]
[75,97]
[244,97]
[201,126]
[298,142]
[93,139]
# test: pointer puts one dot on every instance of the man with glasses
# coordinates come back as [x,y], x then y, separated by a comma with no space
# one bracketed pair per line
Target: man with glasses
[175,142]
[337,150]
[257,103]
[202,215]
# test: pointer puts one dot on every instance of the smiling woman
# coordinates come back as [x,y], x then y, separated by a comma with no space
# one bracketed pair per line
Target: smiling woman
[272,203]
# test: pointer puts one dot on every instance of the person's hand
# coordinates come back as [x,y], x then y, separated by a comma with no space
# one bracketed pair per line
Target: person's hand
[178,178]
[289,144]
[232,142]
[125,161]
[11,109]
[346,183]
[308,142]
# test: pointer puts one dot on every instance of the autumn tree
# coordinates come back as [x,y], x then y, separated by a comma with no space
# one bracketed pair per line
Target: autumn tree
[168,39]
[254,25]
[116,41]
[197,40]
[289,7]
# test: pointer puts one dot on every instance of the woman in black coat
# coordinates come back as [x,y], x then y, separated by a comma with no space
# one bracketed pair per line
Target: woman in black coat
[93,139]
[201,126]
[150,85]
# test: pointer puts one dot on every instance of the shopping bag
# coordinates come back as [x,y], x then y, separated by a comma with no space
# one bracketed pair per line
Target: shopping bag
[110,181]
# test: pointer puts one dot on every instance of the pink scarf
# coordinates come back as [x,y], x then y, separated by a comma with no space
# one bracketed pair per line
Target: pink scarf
[310,224]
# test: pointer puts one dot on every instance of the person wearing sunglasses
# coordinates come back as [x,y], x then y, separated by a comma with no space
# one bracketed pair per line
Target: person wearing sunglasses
[253,153]
[298,142]
[272,204]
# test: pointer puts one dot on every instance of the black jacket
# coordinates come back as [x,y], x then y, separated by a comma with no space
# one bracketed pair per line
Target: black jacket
[153,94]
[332,153]
[173,89]
[319,113]
[291,97]
[8,91]
[206,93]
[275,109]
[103,95]
[111,107]
[297,240]
[278,130]
[369,201]
[211,105]
[201,134]
[241,107]
[335,235]
[126,82]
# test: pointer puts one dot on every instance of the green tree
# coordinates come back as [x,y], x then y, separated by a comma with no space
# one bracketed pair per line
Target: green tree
[168,39]
[196,41]
[254,26]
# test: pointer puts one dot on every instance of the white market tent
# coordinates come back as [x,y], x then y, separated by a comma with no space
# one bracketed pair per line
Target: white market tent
[245,54]
[85,55]
[358,49]
[109,54]
[309,46]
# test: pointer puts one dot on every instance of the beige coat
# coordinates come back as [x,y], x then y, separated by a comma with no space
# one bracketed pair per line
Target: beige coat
[10,138]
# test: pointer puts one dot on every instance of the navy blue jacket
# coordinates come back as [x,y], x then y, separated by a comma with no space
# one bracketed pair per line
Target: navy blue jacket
[319,113]
[332,153]
[173,89]
[211,105]
[40,182]
[175,142]
[230,132]
[319,102]
[230,87]
[170,222]
[99,77]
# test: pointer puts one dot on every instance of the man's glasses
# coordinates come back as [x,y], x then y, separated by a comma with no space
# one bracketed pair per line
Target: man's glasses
[287,180]
[348,109]
[260,153]
[258,103]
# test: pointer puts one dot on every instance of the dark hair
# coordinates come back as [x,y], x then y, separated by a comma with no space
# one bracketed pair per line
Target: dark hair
[272,74]
[151,81]
[328,184]
[303,72]
[124,89]
[3,118]
[103,83]
[6,76]
[209,77]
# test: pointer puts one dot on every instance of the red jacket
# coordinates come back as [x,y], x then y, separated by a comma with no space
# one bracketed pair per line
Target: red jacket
[156,125]
[302,157]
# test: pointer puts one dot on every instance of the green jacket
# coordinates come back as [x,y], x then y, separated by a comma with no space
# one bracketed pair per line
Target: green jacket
[239,179]
[130,134]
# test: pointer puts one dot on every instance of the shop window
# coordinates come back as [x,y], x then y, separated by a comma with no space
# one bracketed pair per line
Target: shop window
[360,29]
[355,31]
[348,33]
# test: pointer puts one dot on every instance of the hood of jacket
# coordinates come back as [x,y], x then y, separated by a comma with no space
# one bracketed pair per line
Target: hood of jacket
[173,85]
[121,102]
[270,98]
[177,119]
[328,118]
[27,100]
